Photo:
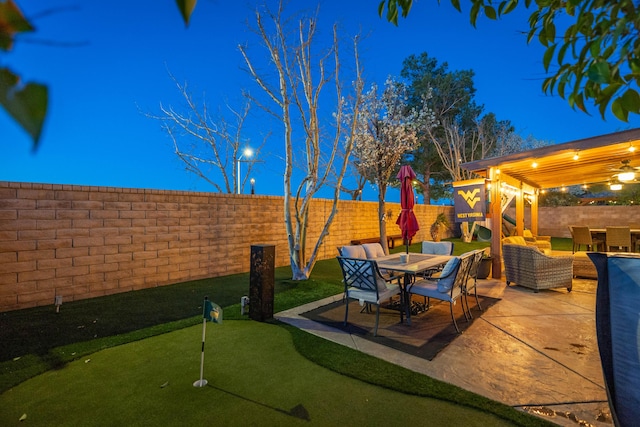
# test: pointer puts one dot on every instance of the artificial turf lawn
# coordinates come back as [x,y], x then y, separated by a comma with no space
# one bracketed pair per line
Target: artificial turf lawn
[40,340]
[255,378]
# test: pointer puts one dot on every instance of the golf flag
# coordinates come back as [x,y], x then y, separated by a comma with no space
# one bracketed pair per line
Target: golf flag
[212,311]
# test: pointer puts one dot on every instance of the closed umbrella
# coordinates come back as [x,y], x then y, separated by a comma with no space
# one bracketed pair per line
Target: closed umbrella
[407,220]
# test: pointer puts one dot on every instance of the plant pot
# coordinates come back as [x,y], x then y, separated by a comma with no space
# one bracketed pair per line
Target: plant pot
[484,269]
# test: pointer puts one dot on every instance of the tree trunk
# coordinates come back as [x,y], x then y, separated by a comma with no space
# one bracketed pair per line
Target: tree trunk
[426,185]
[467,234]
[381,218]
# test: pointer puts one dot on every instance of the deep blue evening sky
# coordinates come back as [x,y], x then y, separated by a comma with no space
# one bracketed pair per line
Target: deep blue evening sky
[95,133]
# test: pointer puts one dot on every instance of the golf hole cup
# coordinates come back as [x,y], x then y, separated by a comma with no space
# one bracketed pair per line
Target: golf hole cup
[404,258]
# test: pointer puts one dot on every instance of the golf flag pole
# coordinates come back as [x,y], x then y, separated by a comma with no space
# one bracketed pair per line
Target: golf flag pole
[213,312]
[202,382]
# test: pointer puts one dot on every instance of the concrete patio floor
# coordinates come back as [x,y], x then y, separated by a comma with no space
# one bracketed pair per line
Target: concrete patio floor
[534,351]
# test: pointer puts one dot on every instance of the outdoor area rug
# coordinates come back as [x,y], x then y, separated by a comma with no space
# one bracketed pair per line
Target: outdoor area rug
[430,331]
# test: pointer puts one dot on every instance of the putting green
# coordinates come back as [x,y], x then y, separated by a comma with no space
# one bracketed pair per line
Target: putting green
[255,378]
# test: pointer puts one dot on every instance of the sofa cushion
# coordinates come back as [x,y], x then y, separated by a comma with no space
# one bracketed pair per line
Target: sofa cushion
[515,240]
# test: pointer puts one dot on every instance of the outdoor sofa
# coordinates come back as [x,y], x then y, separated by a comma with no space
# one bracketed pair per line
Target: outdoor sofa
[527,266]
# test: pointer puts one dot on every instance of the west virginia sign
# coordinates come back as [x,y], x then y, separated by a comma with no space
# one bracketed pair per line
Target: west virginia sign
[469,199]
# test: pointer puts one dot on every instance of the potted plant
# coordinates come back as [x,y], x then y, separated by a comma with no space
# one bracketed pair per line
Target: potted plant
[484,269]
[436,228]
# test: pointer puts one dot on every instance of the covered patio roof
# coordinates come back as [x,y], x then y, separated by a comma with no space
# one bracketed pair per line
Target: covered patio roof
[597,160]
[582,162]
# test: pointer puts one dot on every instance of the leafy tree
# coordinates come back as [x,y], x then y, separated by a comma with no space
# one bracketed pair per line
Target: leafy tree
[596,59]
[293,85]
[385,130]
[449,95]
[558,198]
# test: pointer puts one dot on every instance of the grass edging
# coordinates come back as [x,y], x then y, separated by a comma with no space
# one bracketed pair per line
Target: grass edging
[372,370]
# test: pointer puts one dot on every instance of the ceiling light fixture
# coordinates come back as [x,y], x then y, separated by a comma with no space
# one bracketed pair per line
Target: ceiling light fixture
[576,155]
[631,148]
[615,186]
[534,164]
[627,173]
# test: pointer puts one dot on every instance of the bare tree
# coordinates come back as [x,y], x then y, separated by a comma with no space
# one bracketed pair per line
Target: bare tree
[386,129]
[209,147]
[456,146]
[294,98]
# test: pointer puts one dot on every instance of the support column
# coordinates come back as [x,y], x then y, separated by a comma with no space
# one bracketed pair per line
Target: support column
[495,209]
[520,211]
[534,212]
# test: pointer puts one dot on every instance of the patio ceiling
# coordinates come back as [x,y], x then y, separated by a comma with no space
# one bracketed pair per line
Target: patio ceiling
[599,158]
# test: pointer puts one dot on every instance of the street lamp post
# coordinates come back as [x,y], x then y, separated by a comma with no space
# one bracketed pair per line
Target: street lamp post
[253,188]
[247,152]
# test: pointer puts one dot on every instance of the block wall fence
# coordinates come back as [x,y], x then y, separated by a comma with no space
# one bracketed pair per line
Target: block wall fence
[81,242]
[555,221]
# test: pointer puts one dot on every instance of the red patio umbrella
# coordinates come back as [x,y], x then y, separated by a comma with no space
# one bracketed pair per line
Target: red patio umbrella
[407,220]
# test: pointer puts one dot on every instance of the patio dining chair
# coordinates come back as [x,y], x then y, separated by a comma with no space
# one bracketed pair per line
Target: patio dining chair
[618,237]
[435,248]
[582,236]
[364,282]
[472,279]
[448,286]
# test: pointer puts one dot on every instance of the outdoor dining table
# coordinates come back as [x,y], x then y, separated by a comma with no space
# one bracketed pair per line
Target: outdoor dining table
[602,232]
[416,264]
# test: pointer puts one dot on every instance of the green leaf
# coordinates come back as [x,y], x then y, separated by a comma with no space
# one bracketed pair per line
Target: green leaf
[473,14]
[12,22]
[392,12]
[618,110]
[490,12]
[550,30]
[381,7]
[631,101]
[406,7]
[509,7]
[599,72]
[561,53]
[186,9]
[548,56]
[456,4]
[26,105]
[561,86]
[579,100]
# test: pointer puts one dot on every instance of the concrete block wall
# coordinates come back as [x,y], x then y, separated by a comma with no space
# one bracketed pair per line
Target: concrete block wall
[555,221]
[82,242]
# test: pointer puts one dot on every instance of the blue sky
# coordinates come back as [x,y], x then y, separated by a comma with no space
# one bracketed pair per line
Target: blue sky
[116,68]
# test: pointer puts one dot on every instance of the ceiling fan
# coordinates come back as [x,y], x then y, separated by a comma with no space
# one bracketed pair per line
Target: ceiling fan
[626,172]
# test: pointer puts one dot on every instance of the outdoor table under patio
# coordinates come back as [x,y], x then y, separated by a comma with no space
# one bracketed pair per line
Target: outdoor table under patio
[416,264]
